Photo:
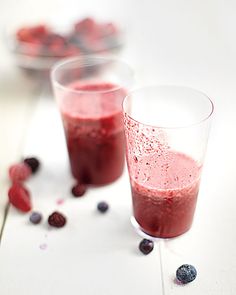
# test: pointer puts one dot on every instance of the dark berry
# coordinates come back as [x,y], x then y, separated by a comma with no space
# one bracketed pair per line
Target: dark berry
[56,219]
[78,190]
[19,172]
[35,217]
[146,246]
[186,273]
[19,197]
[33,163]
[102,207]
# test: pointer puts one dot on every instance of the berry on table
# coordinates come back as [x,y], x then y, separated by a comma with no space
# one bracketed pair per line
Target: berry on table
[19,197]
[102,207]
[35,217]
[146,246]
[186,273]
[56,219]
[19,172]
[33,163]
[78,190]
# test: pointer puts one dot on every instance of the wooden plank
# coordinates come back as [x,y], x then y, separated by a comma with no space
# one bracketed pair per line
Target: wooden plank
[210,244]
[17,101]
[93,253]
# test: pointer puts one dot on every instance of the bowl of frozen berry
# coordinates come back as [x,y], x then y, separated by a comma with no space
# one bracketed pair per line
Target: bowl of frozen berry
[36,47]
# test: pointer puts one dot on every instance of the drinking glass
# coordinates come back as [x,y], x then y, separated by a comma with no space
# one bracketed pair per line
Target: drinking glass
[166,129]
[89,91]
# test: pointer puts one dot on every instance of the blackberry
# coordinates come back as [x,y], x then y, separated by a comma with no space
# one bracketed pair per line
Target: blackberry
[146,246]
[33,163]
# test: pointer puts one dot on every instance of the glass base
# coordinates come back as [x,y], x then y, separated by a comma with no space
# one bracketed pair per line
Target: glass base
[144,235]
[140,232]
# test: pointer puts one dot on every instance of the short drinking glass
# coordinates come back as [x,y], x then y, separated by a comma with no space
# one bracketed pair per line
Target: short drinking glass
[89,91]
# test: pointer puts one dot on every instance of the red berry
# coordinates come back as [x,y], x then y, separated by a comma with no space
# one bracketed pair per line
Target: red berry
[30,34]
[19,172]
[56,219]
[85,26]
[19,197]
[78,190]
[108,29]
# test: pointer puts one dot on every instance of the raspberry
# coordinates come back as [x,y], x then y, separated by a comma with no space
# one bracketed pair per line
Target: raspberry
[85,26]
[56,219]
[33,163]
[35,217]
[19,172]
[186,273]
[108,29]
[78,190]
[19,197]
[29,34]
[102,207]
[146,246]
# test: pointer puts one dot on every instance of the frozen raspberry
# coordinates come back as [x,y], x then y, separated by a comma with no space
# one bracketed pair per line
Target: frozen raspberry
[102,207]
[56,219]
[19,197]
[186,273]
[31,34]
[71,50]
[146,246]
[85,26]
[108,29]
[19,172]
[39,31]
[78,190]
[33,163]
[35,217]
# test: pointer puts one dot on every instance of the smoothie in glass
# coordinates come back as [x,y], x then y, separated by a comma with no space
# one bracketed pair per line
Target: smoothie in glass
[93,124]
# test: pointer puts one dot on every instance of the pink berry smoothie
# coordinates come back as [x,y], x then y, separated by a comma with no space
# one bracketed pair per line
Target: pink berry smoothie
[164,193]
[93,123]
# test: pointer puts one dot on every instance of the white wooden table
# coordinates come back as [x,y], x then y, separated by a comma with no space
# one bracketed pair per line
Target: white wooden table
[188,43]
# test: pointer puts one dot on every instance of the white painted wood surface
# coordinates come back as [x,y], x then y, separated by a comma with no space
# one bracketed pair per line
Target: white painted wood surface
[188,43]
[17,101]
[94,253]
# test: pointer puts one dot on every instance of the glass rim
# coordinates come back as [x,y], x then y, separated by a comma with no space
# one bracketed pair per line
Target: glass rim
[156,86]
[70,60]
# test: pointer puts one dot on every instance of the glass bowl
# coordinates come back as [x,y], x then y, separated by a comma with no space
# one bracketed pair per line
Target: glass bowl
[35,47]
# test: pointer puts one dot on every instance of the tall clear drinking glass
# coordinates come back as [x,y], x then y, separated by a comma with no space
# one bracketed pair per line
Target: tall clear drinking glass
[89,91]
[166,130]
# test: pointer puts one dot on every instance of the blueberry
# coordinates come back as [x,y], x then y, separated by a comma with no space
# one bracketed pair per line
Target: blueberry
[102,207]
[33,163]
[35,217]
[186,273]
[146,246]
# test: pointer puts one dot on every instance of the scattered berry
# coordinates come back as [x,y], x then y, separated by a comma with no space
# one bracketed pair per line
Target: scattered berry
[35,217]
[33,163]
[19,197]
[78,190]
[186,273]
[102,207]
[56,219]
[19,172]
[146,246]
